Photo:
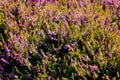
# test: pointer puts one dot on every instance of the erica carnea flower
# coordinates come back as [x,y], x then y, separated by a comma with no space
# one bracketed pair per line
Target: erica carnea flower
[33,1]
[7,51]
[106,21]
[67,47]
[4,61]
[94,67]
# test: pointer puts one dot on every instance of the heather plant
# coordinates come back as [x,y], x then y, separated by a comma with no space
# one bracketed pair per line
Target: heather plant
[59,39]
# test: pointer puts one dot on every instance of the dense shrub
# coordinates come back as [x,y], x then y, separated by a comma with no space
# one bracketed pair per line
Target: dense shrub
[59,39]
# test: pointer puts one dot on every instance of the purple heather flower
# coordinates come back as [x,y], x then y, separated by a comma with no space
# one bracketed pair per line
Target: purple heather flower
[13,55]
[110,2]
[27,77]
[83,66]
[95,75]
[92,1]
[31,51]
[119,51]
[106,21]
[45,64]
[84,59]
[42,71]
[15,76]
[33,1]
[79,19]
[96,16]
[49,55]
[99,52]
[118,33]
[1,68]
[4,61]
[74,43]
[93,54]
[43,55]
[56,3]
[26,44]
[28,57]
[110,55]
[53,19]
[15,0]
[17,58]
[34,68]
[116,5]
[67,47]
[12,76]
[94,67]
[45,1]
[53,38]
[78,74]
[7,51]
[51,33]
[59,48]
[25,0]
[86,20]
[111,29]
[83,3]
[38,78]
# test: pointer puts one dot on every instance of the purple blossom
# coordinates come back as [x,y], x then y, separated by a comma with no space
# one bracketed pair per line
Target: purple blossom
[43,55]
[110,2]
[34,68]
[67,47]
[45,1]
[51,33]
[1,68]
[28,57]
[93,54]
[31,51]
[86,19]
[78,74]
[7,51]
[92,1]
[53,19]
[95,68]
[83,3]
[31,1]
[4,61]
[27,77]
[84,59]
[13,76]
[106,21]
[79,19]
[56,2]
[96,16]
[25,0]
[118,33]
[53,38]
[116,5]
[15,0]
[41,71]
[99,52]
[119,51]
[111,29]
[83,66]
[110,55]
[50,55]
[95,75]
